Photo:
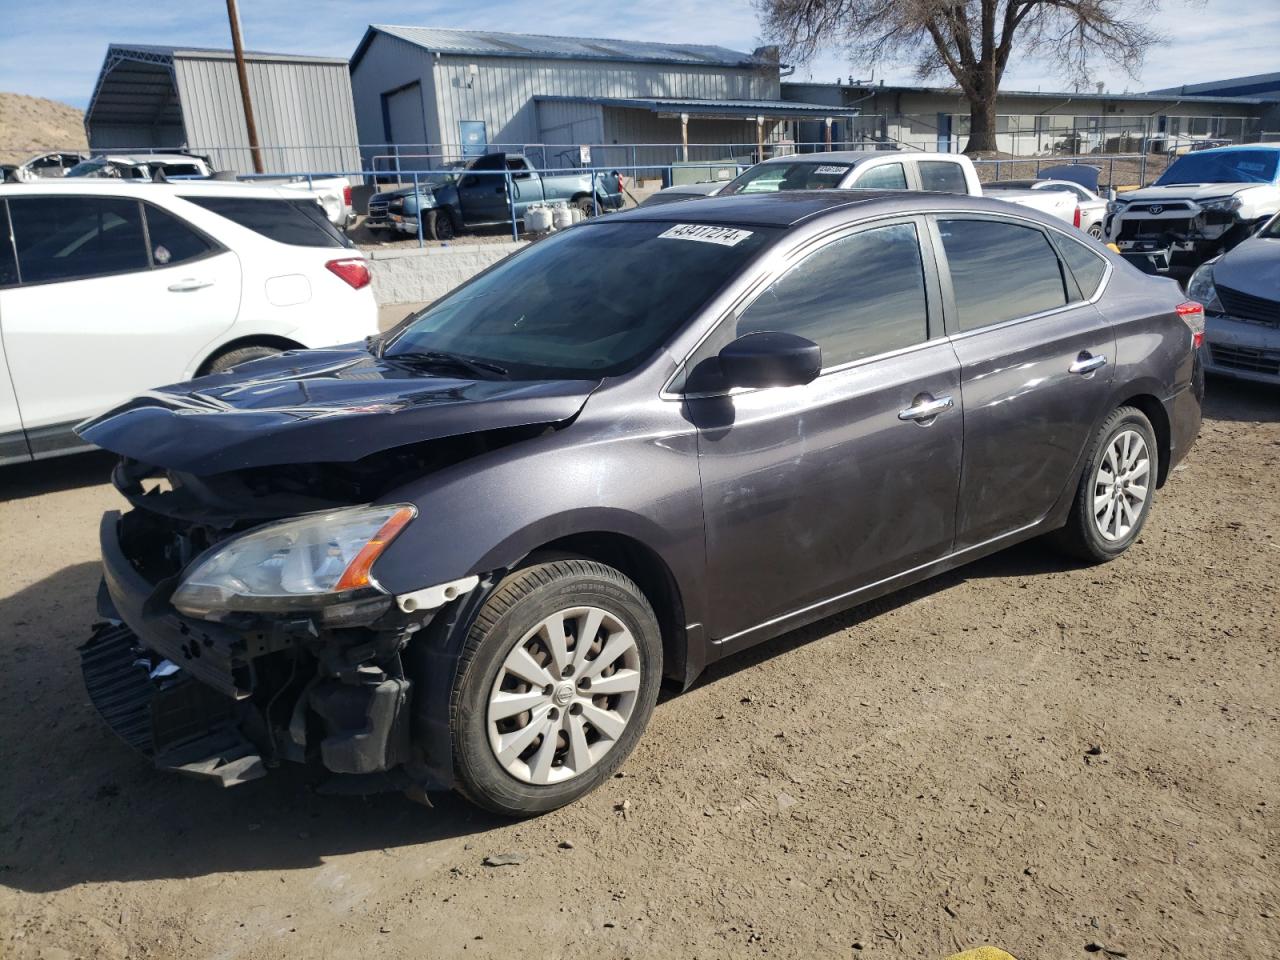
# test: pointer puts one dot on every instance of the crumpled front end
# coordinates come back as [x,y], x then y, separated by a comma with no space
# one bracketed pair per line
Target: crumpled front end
[1160,236]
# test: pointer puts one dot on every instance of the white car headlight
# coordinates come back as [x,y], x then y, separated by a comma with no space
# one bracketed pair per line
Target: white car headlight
[1221,204]
[314,561]
[1201,287]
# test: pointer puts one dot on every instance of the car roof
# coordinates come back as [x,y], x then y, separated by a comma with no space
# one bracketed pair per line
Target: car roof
[145,157]
[141,189]
[788,208]
[1236,147]
[840,156]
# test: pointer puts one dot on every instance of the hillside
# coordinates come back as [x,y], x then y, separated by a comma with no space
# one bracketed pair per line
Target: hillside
[31,125]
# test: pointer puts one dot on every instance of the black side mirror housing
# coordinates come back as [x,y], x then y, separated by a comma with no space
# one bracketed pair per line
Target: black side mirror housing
[770,360]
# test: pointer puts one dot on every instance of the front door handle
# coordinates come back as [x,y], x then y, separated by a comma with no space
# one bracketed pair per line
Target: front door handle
[926,408]
[186,286]
[1087,363]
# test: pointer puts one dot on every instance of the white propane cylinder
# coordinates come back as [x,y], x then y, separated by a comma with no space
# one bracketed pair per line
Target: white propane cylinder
[538,219]
[563,216]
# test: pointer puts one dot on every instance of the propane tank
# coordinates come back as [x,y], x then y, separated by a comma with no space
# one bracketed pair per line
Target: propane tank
[563,216]
[538,219]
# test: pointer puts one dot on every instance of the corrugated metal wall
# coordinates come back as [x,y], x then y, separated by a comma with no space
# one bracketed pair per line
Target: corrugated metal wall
[306,121]
[501,93]
[624,126]
[114,136]
[562,122]
[388,64]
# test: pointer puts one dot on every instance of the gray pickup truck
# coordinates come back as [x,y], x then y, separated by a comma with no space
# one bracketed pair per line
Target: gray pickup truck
[476,196]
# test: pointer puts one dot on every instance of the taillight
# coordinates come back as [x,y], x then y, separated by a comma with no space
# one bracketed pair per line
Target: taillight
[346,198]
[1075,222]
[353,270]
[1193,314]
[620,186]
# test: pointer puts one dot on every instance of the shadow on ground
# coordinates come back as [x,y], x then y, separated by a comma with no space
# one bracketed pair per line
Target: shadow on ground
[22,480]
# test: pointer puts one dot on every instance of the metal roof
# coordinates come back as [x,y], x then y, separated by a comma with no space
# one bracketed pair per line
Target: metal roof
[482,43]
[1156,97]
[1258,83]
[714,108]
[159,53]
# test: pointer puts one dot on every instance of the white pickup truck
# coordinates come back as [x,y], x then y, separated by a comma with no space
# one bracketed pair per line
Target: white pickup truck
[869,170]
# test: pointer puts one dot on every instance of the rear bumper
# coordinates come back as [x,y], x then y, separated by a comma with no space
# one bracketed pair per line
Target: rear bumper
[1241,349]
[1184,412]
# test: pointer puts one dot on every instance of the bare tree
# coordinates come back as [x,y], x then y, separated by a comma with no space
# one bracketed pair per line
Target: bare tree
[973,40]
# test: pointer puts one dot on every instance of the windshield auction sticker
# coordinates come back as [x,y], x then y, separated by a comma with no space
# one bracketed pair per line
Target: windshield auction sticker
[827,171]
[705,233]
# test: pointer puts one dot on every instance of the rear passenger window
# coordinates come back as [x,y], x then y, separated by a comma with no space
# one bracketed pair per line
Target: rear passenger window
[299,223]
[855,297]
[890,176]
[940,176]
[1000,271]
[8,263]
[1085,265]
[171,240]
[72,238]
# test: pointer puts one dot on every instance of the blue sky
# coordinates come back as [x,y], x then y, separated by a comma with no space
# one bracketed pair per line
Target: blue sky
[55,50]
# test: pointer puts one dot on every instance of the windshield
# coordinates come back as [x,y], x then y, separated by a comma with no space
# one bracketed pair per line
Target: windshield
[593,301]
[1233,166]
[772,177]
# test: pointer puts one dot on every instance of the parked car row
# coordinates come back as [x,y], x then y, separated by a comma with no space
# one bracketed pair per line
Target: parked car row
[108,288]
[333,193]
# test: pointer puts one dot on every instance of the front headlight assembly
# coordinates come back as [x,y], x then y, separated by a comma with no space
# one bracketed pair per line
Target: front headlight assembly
[1201,287]
[1221,204]
[321,561]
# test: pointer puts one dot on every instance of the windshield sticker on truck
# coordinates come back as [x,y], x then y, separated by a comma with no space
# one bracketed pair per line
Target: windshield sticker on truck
[829,170]
[705,233]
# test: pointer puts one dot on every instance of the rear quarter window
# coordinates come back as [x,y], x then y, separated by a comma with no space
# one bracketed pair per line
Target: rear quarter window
[297,223]
[1085,265]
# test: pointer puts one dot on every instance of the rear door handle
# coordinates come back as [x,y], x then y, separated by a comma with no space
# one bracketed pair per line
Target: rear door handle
[1087,363]
[926,408]
[186,286]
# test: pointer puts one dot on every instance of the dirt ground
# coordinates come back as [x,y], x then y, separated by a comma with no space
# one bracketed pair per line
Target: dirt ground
[1044,757]
[33,125]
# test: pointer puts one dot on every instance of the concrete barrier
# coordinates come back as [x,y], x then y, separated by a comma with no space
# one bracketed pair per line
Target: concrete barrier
[417,275]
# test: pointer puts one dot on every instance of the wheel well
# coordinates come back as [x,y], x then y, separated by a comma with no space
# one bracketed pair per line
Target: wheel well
[1155,412]
[650,574]
[259,340]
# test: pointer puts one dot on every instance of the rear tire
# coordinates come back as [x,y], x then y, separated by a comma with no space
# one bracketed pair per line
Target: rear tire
[587,206]
[526,746]
[1116,489]
[223,362]
[1095,231]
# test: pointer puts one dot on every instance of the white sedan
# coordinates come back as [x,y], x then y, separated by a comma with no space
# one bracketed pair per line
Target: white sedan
[108,288]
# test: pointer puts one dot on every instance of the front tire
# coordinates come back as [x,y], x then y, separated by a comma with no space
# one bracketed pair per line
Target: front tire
[555,684]
[439,225]
[1116,488]
[233,358]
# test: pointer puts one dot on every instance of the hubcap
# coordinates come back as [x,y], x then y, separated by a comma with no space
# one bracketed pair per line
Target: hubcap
[564,695]
[1121,485]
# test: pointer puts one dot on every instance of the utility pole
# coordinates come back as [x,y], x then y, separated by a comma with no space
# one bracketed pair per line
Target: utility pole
[238,45]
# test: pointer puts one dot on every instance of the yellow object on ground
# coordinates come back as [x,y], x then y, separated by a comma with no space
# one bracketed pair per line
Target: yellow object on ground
[982,953]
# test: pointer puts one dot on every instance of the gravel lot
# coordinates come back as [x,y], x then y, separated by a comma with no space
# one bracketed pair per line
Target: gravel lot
[1025,753]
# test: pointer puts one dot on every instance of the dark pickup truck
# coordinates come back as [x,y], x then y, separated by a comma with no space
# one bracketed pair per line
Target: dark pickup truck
[476,196]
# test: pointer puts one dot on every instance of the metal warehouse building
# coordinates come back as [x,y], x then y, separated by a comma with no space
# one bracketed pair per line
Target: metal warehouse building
[443,94]
[149,97]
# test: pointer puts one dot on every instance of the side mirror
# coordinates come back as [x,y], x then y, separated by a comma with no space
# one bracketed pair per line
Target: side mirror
[770,360]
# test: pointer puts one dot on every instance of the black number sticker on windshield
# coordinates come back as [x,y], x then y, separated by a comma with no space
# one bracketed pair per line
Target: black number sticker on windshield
[705,233]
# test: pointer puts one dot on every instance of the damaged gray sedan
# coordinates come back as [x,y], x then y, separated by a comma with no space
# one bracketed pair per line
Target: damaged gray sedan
[464,554]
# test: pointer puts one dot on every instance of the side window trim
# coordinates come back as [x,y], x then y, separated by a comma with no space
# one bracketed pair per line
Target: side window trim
[1058,238]
[951,313]
[10,245]
[934,304]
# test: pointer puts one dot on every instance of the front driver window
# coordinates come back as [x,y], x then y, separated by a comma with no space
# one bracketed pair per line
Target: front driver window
[855,297]
[72,238]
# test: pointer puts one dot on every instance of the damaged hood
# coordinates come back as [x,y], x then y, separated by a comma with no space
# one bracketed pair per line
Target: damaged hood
[1187,191]
[1253,267]
[315,406]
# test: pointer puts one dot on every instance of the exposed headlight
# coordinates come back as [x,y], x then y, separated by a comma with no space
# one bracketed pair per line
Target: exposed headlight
[1115,206]
[315,561]
[1221,204]
[1201,288]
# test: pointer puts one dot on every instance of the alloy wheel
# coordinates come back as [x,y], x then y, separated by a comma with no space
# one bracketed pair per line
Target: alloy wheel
[564,695]
[1121,485]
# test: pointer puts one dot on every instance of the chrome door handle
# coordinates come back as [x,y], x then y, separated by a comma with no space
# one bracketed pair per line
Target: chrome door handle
[926,409]
[185,286]
[1087,364]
